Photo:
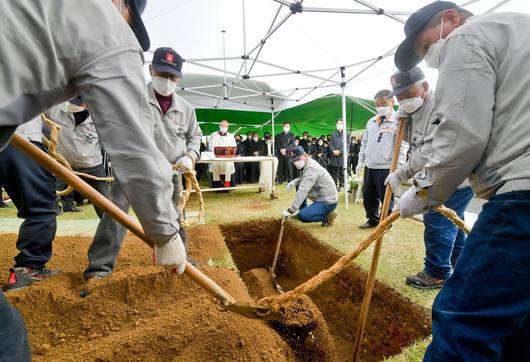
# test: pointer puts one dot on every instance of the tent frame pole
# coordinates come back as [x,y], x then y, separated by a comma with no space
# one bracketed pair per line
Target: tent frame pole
[273,133]
[345,144]
[224,65]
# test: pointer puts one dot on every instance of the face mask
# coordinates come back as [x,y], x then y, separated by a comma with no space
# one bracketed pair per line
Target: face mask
[286,129]
[305,137]
[411,105]
[223,129]
[296,143]
[74,108]
[383,111]
[320,143]
[340,127]
[299,164]
[432,57]
[164,86]
[255,139]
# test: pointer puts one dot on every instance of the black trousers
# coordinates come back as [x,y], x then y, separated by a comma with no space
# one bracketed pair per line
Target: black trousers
[374,192]
[32,190]
[253,172]
[240,172]
[285,171]
[100,186]
[337,174]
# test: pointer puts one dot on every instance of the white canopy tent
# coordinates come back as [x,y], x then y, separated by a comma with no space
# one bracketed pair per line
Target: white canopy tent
[303,49]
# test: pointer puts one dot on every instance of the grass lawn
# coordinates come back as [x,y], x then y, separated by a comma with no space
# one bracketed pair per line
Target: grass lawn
[402,252]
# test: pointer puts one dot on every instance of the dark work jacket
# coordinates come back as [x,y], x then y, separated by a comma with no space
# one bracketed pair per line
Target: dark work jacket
[246,144]
[256,146]
[323,159]
[283,140]
[311,148]
[241,149]
[336,144]
[305,145]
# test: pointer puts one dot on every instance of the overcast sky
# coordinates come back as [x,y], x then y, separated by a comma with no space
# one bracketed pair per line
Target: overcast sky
[305,41]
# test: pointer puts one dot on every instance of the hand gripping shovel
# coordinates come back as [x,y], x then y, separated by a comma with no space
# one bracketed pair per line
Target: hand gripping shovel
[227,301]
[275,260]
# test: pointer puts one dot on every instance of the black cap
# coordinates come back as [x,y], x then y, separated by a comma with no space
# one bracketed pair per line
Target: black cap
[78,101]
[405,57]
[137,8]
[295,153]
[401,81]
[166,60]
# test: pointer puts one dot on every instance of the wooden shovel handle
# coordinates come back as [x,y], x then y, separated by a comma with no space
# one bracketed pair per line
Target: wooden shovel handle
[115,212]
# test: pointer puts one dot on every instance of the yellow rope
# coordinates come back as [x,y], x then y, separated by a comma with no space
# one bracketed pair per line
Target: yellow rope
[191,183]
[274,302]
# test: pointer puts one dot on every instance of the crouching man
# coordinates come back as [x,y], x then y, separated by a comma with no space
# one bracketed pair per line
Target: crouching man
[315,183]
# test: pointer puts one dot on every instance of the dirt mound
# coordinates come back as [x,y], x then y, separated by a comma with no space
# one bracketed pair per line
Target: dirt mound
[394,322]
[140,313]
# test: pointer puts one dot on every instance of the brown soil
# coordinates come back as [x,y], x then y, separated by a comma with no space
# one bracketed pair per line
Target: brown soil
[140,313]
[394,321]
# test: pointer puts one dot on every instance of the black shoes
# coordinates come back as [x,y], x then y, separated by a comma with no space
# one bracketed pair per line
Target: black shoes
[423,280]
[72,209]
[367,225]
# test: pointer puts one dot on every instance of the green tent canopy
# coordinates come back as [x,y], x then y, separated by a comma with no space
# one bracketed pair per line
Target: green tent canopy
[316,117]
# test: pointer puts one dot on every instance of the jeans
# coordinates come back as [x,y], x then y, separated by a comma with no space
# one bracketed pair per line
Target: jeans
[32,190]
[443,240]
[13,336]
[483,311]
[316,212]
[374,193]
[100,186]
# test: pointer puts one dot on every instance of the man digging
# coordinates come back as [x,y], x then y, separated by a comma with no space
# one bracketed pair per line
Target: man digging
[315,183]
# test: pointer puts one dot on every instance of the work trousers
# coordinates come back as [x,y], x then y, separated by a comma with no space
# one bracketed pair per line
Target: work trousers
[374,193]
[285,170]
[337,175]
[32,190]
[110,234]
[443,239]
[316,212]
[483,311]
[14,344]
[100,186]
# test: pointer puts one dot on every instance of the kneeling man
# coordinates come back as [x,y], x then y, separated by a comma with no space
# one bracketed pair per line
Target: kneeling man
[315,183]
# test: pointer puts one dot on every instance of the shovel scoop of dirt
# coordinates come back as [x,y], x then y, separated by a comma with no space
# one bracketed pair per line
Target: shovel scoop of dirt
[303,325]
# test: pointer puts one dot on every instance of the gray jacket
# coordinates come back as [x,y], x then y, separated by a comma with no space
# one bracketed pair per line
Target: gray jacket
[482,102]
[336,144]
[377,144]
[315,184]
[32,130]
[54,57]
[79,145]
[177,131]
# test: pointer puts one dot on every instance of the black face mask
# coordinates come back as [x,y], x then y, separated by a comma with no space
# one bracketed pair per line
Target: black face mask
[267,137]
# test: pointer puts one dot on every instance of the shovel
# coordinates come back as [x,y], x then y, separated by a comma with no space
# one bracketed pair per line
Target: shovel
[275,260]
[227,301]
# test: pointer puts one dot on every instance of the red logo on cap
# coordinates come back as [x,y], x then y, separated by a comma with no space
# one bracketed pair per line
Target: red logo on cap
[170,57]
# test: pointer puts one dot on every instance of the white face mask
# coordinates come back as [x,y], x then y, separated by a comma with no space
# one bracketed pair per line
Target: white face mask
[255,139]
[410,105]
[383,111]
[223,129]
[299,164]
[340,127]
[164,86]
[286,129]
[320,143]
[432,57]
[74,108]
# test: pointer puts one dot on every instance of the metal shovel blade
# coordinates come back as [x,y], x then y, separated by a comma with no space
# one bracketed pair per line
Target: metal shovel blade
[253,311]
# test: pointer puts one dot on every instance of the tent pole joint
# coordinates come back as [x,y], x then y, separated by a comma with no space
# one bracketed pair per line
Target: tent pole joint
[296,8]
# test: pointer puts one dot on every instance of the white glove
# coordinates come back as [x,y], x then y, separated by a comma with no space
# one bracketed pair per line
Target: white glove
[359,168]
[287,213]
[186,162]
[172,255]
[410,204]
[291,185]
[401,114]
[394,181]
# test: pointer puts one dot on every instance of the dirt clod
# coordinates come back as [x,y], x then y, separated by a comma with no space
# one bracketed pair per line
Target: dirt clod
[43,349]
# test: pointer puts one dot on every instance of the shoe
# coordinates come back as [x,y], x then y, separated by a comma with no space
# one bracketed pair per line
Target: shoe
[22,277]
[331,218]
[4,206]
[367,225]
[72,209]
[90,282]
[423,280]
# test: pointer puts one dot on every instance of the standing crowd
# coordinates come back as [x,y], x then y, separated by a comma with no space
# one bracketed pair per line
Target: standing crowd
[457,136]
